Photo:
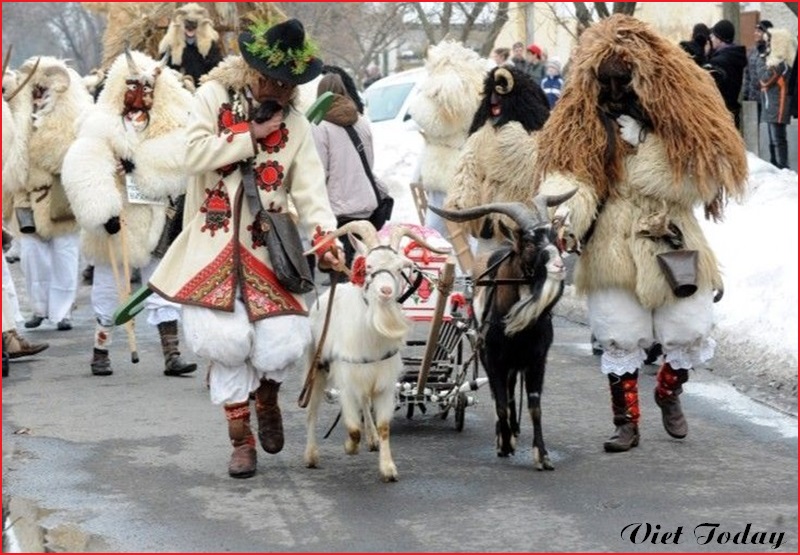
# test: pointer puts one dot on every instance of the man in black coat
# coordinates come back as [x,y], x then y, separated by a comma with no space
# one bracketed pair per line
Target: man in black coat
[726,64]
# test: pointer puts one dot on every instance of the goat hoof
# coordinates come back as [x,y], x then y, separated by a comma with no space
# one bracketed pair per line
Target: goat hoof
[389,476]
[312,459]
[541,462]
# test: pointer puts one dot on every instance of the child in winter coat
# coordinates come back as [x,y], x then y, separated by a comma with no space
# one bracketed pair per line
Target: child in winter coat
[553,82]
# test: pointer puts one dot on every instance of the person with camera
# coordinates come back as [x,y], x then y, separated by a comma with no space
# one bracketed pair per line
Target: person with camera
[249,164]
[341,139]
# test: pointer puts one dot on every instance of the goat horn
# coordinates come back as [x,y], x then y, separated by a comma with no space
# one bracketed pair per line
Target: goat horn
[25,82]
[517,211]
[7,59]
[402,231]
[129,58]
[541,202]
[505,74]
[362,228]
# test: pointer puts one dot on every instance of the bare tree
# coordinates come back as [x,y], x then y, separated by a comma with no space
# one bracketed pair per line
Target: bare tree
[585,15]
[441,19]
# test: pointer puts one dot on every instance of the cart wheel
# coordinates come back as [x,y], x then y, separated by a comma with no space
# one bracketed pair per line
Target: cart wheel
[461,406]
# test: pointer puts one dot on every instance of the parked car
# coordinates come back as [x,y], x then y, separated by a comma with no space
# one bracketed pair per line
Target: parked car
[388,99]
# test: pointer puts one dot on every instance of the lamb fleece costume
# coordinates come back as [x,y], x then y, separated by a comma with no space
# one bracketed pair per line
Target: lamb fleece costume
[687,154]
[96,186]
[44,113]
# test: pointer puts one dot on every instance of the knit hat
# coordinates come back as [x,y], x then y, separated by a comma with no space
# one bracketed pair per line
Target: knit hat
[723,30]
[764,25]
[554,63]
[281,52]
[535,50]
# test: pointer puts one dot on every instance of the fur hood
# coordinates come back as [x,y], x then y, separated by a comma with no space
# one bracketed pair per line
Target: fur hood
[782,48]
[450,95]
[33,157]
[175,41]
[680,98]
[171,101]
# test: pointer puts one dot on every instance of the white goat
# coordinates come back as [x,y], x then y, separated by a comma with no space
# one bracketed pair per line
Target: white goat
[367,329]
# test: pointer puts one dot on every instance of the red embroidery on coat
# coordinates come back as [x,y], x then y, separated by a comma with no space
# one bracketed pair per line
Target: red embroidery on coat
[214,285]
[229,123]
[269,175]
[275,141]
[262,292]
[217,208]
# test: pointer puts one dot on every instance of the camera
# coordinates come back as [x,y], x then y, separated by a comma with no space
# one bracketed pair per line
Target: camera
[266,110]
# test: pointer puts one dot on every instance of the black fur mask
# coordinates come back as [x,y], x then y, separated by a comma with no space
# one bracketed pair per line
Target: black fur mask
[511,95]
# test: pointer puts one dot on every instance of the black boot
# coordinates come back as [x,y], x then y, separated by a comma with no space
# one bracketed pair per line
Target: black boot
[625,405]
[668,387]
[268,413]
[101,364]
[5,358]
[173,363]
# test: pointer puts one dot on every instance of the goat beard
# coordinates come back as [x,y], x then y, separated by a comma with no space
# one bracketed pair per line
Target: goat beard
[388,319]
[528,309]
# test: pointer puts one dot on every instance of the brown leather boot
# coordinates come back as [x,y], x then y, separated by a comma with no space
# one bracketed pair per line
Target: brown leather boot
[625,404]
[243,458]
[270,423]
[173,363]
[668,387]
[17,346]
[101,364]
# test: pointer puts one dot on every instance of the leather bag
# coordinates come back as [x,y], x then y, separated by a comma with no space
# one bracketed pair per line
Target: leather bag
[285,248]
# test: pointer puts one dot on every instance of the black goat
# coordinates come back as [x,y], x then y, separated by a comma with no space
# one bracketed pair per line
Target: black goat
[524,280]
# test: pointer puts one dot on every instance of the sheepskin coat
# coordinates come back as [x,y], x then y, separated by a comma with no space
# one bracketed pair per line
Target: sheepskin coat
[496,165]
[95,186]
[444,107]
[216,254]
[194,59]
[35,162]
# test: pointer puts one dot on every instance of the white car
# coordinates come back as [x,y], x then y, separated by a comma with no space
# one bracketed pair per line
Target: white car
[388,99]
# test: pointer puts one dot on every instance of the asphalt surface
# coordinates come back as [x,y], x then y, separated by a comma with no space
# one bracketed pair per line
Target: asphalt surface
[138,462]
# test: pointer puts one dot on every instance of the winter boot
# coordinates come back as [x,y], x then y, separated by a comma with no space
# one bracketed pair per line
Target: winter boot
[668,387]
[772,158]
[17,346]
[101,364]
[625,405]
[173,364]
[243,458]
[270,423]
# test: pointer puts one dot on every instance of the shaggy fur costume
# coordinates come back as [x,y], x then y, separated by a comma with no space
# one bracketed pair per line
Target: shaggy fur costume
[444,108]
[42,139]
[498,162]
[692,154]
[95,187]
[175,40]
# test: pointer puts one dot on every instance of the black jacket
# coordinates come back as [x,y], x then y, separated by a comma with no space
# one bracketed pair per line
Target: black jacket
[792,92]
[727,65]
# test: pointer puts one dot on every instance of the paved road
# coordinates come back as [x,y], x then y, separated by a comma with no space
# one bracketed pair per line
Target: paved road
[137,462]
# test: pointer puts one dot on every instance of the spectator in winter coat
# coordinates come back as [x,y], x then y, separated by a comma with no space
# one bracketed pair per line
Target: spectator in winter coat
[349,189]
[553,82]
[726,64]
[773,80]
[697,47]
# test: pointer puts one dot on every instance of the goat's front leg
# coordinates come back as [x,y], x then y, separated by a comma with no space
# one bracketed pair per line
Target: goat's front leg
[351,416]
[383,406]
[534,380]
[373,442]
[312,450]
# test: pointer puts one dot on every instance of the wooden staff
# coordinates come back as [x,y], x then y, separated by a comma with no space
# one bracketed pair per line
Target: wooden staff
[124,287]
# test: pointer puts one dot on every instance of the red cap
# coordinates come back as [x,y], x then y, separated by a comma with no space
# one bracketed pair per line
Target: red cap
[535,50]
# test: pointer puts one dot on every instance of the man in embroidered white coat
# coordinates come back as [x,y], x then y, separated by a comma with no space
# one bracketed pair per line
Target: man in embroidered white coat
[237,314]
[44,112]
[119,174]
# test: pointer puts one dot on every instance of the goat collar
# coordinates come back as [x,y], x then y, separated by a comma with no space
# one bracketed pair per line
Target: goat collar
[349,360]
[483,281]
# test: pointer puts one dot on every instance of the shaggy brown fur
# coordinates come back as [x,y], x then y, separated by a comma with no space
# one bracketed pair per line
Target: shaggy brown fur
[681,100]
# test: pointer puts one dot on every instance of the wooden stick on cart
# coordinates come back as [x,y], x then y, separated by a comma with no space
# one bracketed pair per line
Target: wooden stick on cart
[124,285]
[445,286]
